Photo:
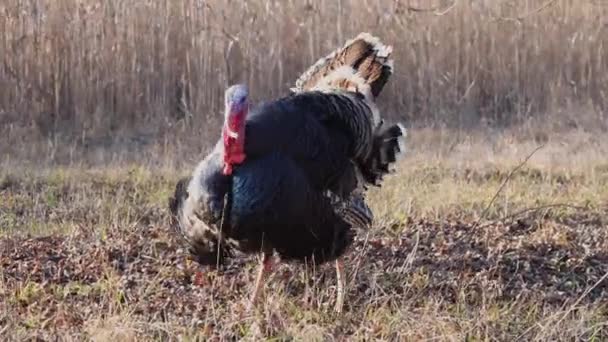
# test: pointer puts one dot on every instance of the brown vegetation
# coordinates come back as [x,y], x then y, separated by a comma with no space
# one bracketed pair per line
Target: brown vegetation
[127,96]
[431,268]
[83,73]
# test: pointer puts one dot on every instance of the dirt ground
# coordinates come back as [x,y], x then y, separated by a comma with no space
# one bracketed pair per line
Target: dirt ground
[528,276]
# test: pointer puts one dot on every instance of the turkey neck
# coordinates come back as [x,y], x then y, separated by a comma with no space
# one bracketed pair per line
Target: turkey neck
[233,135]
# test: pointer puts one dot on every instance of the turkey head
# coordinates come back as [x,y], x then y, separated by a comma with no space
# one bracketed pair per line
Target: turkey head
[233,133]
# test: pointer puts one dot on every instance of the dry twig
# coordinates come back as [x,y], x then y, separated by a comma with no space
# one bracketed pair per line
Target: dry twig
[521,17]
[504,183]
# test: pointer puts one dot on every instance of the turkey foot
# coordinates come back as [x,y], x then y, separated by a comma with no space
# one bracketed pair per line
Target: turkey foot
[339,286]
[196,277]
[263,270]
[199,278]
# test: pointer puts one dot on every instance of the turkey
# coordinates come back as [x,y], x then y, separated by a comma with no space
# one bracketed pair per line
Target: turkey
[289,176]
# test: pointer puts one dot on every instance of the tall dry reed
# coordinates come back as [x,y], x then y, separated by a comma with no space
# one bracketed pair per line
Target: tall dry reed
[92,70]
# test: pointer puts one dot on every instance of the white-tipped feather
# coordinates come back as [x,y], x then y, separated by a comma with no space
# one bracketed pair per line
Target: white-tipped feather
[380,49]
[401,142]
[346,72]
[343,72]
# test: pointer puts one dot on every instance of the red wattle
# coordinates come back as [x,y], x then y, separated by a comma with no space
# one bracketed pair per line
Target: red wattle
[227,171]
[234,148]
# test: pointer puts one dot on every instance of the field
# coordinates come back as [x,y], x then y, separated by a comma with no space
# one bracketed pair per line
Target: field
[88,253]
[493,227]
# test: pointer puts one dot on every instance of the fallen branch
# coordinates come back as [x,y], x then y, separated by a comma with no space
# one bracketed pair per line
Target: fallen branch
[502,186]
[436,10]
[523,211]
[521,17]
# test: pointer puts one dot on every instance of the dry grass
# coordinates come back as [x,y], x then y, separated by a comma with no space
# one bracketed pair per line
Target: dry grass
[105,104]
[96,74]
[429,269]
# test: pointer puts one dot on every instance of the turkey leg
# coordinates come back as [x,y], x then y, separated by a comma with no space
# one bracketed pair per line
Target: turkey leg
[339,286]
[263,270]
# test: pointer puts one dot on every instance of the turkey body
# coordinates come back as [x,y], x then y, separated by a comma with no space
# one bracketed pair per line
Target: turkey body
[279,210]
[320,132]
[297,153]
[288,176]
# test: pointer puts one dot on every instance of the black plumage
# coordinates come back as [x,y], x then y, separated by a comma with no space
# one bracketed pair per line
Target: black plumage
[309,132]
[309,157]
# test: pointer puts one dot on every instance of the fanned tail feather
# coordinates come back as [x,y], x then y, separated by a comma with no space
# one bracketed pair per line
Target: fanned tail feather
[362,65]
[177,201]
[388,146]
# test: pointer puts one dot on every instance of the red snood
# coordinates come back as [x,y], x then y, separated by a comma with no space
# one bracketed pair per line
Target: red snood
[234,148]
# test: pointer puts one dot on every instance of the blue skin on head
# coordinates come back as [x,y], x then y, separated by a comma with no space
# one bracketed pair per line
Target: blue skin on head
[236,98]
